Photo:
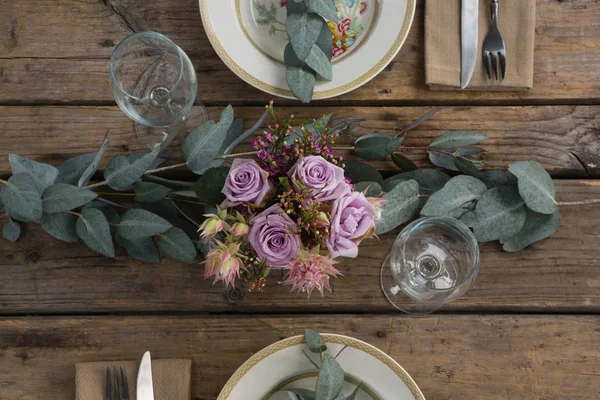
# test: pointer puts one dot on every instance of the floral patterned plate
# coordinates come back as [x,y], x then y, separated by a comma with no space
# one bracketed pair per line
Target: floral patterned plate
[250,37]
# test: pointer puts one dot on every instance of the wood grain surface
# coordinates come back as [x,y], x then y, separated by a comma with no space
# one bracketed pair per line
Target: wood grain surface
[564,139]
[57,52]
[449,357]
[43,275]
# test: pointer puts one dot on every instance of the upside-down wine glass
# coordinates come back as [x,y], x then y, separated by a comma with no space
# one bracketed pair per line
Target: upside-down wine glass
[433,262]
[153,81]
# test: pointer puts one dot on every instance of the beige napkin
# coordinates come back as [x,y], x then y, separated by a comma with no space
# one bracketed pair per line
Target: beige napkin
[171,378]
[516,22]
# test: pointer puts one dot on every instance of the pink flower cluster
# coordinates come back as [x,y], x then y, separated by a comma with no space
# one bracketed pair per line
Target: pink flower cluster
[288,211]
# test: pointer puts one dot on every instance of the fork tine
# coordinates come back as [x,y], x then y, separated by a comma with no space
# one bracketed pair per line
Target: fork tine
[124,387]
[503,64]
[494,61]
[107,385]
[486,63]
[115,385]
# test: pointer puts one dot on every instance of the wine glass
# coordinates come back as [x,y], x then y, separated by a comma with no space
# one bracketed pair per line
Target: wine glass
[154,83]
[433,261]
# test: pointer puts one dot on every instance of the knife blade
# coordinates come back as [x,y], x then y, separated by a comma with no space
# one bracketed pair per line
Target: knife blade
[469,37]
[145,390]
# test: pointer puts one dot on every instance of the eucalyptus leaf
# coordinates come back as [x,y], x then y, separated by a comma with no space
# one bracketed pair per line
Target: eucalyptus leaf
[148,192]
[303,30]
[233,133]
[203,144]
[137,224]
[373,146]
[325,8]
[403,163]
[112,216]
[92,227]
[456,139]
[11,230]
[158,161]
[537,227]
[208,188]
[361,172]
[469,167]
[325,42]
[317,60]
[330,380]
[371,189]
[301,394]
[22,198]
[429,180]
[90,170]
[500,213]
[535,186]
[314,341]
[62,197]
[401,204]
[342,124]
[453,196]
[43,174]
[120,174]
[61,226]
[71,170]
[295,6]
[176,244]
[495,178]
[186,193]
[301,83]
[247,134]
[163,208]
[442,160]
[446,160]
[143,249]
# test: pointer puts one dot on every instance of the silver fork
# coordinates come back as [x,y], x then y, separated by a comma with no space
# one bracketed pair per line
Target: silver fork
[494,49]
[115,386]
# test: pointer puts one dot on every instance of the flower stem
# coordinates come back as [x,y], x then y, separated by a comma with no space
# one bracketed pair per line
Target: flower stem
[3,181]
[578,203]
[184,214]
[343,147]
[95,185]
[115,194]
[152,171]
[248,153]
[74,213]
[189,201]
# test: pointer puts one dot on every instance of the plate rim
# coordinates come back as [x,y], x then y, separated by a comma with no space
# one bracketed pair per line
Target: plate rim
[329,337]
[325,94]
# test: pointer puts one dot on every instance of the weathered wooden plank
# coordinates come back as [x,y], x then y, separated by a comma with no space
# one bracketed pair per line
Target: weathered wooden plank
[43,275]
[556,136]
[458,357]
[58,52]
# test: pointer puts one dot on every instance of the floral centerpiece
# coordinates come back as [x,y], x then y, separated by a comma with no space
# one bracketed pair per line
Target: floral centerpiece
[292,210]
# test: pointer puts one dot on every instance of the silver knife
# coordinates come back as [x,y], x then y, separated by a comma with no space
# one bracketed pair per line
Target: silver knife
[145,390]
[469,34]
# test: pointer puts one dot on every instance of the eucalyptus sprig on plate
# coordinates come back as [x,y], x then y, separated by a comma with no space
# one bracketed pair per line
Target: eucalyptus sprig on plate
[331,375]
[310,50]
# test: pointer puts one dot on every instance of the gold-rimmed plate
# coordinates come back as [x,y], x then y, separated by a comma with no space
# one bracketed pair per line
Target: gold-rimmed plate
[283,365]
[249,36]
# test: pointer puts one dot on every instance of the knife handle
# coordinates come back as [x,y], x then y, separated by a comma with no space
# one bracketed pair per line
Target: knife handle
[494,8]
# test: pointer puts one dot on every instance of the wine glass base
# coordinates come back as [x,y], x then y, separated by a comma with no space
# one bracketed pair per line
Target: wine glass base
[153,136]
[398,298]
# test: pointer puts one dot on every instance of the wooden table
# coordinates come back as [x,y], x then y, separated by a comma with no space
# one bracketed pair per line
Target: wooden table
[528,329]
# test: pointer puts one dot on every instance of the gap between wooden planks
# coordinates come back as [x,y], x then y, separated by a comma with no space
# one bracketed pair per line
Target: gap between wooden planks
[450,357]
[58,52]
[564,139]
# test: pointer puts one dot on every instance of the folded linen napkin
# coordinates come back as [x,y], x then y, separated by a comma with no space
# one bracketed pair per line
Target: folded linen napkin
[516,22]
[171,378]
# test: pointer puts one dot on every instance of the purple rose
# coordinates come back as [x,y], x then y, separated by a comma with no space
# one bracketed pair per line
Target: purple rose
[274,237]
[246,182]
[352,220]
[325,180]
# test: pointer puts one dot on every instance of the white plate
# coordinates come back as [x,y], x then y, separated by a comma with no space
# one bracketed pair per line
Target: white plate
[282,365]
[251,43]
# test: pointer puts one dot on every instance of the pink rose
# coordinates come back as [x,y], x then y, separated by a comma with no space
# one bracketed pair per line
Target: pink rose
[352,220]
[344,25]
[246,182]
[274,237]
[324,180]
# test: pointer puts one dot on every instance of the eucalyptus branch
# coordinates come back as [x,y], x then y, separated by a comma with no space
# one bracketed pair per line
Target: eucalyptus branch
[113,203]
[248,153]
[153,171]
[182,213]
[74,213]
[578,203]
[310,359]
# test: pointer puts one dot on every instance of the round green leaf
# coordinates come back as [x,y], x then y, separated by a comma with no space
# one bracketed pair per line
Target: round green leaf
[459,191]
[403,163]
[537,227]
[11,230]
[495,178]
[429,180]
[62,197]
[373,146]
[22,198]
[314,341]
[318,61]
[92,227]
[325,8]
[88,173]
[330,380]
[456,139]
[301,82]
[136,224]
[535,186]
[401,204]
[176,244]
[120,174]
[361,172]
[61,226]
[303,31]
[148,192]
[371,189]
[208,187]
[43,174]
[143,249]
[70,170]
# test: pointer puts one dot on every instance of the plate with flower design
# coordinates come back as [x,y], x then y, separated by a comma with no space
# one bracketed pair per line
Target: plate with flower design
[267,374]
[250,37]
